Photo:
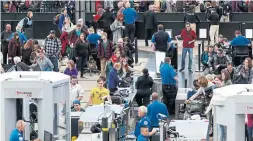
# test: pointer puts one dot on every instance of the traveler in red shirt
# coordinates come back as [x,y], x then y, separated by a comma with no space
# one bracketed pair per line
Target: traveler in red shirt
[189,37]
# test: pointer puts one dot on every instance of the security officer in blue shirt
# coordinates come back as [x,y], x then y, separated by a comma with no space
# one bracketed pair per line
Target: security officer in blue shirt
[156,108]
[144,121]
[145,134]
[240,40]
[17,133]
[169,85]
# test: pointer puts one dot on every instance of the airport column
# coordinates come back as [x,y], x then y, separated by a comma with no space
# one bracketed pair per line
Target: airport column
[77,7]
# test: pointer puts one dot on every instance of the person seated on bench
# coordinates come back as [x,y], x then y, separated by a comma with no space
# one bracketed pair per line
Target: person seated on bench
[207,55]
[226,80]
[225,43]
[231,70]
[219,62]
[240,40]
[244,73]
[220,41]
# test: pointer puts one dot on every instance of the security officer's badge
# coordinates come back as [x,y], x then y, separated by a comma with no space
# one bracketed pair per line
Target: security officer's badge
[20,138]
[145,122]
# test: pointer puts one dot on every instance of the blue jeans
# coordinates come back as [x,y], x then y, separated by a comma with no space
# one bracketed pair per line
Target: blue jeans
[54,60]
[222,132]
[184,52]
[249,130]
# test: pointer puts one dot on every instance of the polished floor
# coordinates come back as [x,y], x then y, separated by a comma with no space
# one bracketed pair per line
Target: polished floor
[185,78]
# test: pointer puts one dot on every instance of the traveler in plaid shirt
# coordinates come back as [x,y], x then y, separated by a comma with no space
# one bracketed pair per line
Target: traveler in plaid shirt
[52,47]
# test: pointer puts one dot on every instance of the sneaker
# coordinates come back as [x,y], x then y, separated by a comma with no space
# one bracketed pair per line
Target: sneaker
[190,71]
[83,77]
[181,70]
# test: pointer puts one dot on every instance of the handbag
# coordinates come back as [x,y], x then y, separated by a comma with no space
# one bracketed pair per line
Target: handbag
[194,106]
[71,52]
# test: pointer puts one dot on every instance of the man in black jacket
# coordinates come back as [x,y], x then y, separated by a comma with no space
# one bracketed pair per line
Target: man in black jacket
[219,62]
[192,17]
[160,44]
[5,41]
[108,18]
[226,10]
[214,27]
[149,19]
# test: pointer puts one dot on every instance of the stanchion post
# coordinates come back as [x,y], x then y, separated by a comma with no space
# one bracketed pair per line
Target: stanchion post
[136,51]
[203,49]
[203,46]
[199,57]
[185,83]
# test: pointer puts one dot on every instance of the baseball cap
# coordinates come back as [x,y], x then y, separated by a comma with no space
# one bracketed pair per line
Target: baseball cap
[52,32]
[114,59]
[76,102]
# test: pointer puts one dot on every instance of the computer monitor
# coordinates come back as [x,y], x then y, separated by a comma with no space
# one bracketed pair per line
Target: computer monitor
[48,136]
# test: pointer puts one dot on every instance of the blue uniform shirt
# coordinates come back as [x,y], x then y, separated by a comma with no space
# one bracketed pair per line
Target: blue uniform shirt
[145,121]
[16,135]
[93,38]
[142,138]
[167,74]
[240,41]
[155,108]
[129,15]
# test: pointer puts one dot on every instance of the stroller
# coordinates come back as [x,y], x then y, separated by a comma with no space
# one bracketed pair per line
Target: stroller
[91,66]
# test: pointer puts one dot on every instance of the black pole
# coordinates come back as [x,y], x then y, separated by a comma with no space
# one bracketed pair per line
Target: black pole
[203,46]
[185,83]
[136,51]
[208,35]
[199,58]
[105,129]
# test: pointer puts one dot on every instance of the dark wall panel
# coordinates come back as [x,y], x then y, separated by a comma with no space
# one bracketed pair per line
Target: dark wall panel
[242,17]
[159,16]
[42,29]
[228,29]
[19,16]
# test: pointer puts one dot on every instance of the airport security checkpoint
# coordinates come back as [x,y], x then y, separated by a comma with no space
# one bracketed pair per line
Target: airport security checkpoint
[43,95]
[110,121]
[126,70]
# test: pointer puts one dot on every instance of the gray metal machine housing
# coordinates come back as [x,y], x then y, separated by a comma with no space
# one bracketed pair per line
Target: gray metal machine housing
[51,90]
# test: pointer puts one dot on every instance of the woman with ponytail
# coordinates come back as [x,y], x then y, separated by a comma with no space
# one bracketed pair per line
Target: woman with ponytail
[143,85]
